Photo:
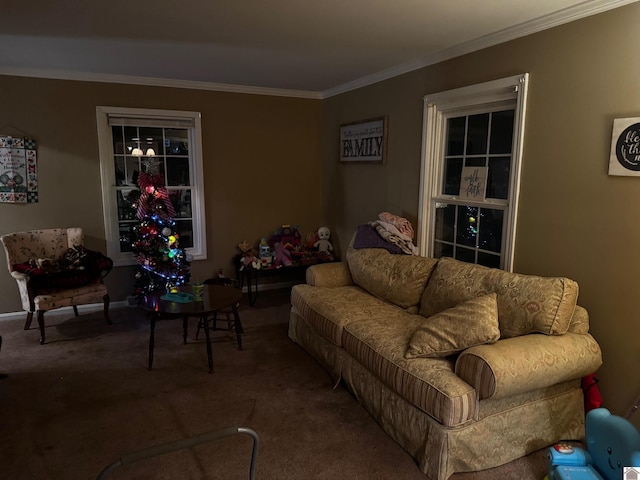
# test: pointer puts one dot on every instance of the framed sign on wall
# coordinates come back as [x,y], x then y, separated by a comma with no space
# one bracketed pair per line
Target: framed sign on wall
[624,158]
[364,141]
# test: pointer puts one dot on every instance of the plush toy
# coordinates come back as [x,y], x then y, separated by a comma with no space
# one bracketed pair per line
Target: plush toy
[248,256]
[282,255]
[323,244]
[612,444]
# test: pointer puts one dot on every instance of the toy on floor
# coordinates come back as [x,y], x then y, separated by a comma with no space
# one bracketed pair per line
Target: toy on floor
[612,444]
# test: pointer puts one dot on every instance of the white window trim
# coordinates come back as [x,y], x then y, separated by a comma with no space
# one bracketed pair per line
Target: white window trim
[436,106]
[107,173]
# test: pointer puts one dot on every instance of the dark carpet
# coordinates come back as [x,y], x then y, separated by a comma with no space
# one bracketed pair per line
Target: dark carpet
[84,399]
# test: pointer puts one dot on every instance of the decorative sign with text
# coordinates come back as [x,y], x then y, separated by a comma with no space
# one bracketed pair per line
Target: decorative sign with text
[624,158]
[364,142]
[473,183]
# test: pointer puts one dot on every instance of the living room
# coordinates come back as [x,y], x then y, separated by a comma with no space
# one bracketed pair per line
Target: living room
[272,159]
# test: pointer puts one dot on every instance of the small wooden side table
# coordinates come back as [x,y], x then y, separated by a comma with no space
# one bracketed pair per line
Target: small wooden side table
[216,297]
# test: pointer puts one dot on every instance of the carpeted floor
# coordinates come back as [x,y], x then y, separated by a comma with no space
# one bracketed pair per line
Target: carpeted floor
[86,398]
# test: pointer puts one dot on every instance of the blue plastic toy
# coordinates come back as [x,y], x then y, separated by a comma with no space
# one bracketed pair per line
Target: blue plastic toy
[612,444]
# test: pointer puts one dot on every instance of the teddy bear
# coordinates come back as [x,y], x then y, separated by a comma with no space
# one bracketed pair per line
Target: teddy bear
[323,244]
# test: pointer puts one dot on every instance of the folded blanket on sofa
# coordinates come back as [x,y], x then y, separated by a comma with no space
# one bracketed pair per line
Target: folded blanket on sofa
[367,237]
[391,234]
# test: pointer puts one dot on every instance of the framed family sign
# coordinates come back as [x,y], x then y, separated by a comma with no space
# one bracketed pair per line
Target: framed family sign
[624,158]
[364,141]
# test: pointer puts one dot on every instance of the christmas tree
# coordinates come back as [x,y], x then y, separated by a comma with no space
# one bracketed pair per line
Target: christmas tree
[162,264]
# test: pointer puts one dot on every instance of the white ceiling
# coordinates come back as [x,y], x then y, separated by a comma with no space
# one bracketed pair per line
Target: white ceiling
[314,48]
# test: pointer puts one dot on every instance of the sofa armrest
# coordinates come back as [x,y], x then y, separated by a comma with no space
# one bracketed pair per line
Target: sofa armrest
[520,364]
[335,274]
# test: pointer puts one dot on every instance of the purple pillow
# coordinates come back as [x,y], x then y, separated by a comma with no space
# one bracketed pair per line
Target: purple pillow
[367,237]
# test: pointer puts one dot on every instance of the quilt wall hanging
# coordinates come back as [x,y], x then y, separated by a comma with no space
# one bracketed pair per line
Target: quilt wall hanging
[18,170]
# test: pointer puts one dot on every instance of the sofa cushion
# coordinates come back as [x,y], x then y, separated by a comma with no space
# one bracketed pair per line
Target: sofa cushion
[398,279]
[526,303]
[329,309]
[471,323]
[379,344]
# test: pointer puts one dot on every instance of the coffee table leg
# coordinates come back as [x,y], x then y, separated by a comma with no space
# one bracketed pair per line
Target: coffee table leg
[238,325]
[208,340]
[151,338]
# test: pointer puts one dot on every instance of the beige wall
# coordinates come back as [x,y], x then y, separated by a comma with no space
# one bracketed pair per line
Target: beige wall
[575,220]
[261,155]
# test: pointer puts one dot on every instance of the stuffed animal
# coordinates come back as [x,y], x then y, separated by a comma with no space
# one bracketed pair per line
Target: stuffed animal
[612,444]
[249,255]
[282,255]
[323,244]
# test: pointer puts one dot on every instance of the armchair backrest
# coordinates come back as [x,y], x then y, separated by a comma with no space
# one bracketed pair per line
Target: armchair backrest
[20,247]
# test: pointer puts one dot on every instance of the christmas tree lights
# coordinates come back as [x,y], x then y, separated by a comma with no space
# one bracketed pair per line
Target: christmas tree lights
[162,264]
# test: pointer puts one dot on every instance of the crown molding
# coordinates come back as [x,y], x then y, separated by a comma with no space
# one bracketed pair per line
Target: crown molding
[156,82]
[546,22]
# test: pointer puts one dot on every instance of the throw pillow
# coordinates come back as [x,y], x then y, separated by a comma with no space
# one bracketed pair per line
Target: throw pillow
[451,331]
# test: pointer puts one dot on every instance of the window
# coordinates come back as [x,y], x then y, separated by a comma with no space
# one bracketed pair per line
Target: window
[129,139]
[472,152]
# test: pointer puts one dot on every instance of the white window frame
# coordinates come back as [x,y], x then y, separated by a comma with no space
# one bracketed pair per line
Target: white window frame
[437,108]
[107,173]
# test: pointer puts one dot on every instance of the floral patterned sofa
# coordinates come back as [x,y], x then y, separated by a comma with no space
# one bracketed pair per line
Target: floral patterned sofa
[465,367]
[54,270]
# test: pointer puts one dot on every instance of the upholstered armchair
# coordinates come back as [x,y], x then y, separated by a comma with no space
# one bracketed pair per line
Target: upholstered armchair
[54,270]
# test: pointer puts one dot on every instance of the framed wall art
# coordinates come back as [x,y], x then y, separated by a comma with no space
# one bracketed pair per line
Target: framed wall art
[364,141]
[624,158]
[18,170]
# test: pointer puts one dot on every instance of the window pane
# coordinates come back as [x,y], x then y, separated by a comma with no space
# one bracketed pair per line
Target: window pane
[467,228]
[475,162]
[126,236]
[498,177]
[465,255]
[478,134]
[131,139]
[151,137]
[176,141]
[452,174]
[120,171]
[455,136]
[185,232]
[502,131]
[118,140]
[442,250]
[178,171]
[181,200]
[445,222]
[488,260]
[126,200]
[490,236]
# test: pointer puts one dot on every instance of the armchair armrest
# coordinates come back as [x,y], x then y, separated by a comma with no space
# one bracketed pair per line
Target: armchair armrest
[520,364]
[23,277]
[335,274]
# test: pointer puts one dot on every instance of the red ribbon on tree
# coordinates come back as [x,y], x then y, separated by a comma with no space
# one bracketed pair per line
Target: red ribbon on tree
[152,186]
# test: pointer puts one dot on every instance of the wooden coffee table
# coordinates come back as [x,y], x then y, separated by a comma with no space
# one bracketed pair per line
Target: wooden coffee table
[216,297]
